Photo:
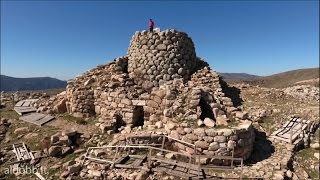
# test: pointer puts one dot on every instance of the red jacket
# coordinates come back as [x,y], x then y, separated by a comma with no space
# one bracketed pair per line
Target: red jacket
[151,23]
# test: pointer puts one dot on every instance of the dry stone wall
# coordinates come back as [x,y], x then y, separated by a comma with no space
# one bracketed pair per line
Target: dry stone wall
[238,140]
[222,142]
[154,57]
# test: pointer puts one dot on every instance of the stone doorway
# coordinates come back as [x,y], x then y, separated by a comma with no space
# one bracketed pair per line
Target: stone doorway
[138,116]
[206,110]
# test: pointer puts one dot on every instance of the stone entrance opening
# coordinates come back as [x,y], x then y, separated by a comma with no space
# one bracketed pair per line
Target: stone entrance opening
[206,110]
[119,121]
[138,116]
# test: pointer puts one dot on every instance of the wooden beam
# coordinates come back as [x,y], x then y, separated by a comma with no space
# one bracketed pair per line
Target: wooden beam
[39,176]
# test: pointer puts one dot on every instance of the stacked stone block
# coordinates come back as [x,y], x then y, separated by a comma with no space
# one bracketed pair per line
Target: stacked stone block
[160,56]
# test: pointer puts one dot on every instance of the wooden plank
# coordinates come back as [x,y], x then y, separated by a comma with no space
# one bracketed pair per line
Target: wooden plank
[24,154]
[30,153]
[297,127]
[216,167]
[127,166]
[31,100]
[286,136]
[181,169]
[37,118]
[39,176]
[276,132]
[162,168]
[173,172]
[32,117]
[98,160]
[292,128]
[284,131]
[138,162]
[16,152]
[20,103]
[287,123]
[26,103]
[174,162]
[282,139]
[22,110]
[137,156]
[44,120]
[121,160]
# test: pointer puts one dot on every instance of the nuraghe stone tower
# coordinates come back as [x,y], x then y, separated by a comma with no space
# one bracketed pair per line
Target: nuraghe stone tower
[162,85]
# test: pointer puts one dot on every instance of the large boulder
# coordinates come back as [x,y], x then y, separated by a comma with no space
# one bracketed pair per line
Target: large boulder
[209,122]
[22,130]
[55,151]
[315,146]
[60,107]
[202,144]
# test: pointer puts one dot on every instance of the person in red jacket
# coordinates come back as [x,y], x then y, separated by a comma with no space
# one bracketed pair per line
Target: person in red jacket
[151,25]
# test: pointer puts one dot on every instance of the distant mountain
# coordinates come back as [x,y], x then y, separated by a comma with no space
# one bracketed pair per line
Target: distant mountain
[237,76]
[289,78]
[8,83]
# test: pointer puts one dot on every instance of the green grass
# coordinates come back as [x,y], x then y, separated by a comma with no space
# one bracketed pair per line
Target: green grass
[73,119]
[69,157]
[8,113]
[306,156]
[268,124]
[78,120]
[34,143]
[52,172]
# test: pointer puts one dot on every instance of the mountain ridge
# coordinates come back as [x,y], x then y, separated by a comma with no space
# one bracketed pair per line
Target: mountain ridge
[287,78]
[278,80]
[8,83]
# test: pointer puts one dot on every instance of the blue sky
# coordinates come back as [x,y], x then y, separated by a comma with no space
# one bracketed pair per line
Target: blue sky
[63,39]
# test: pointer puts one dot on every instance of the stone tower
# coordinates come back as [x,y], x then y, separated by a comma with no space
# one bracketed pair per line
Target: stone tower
[154,57]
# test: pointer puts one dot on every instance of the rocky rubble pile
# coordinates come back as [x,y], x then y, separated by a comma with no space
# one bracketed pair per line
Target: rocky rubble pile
[5,155]
[55,104]
[316,146]
[73,169]
[8,97]
[62,143]
[303,92]
[4,126]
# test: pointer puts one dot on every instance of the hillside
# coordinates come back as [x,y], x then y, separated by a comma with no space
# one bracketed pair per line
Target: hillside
[237,76]
[8,83]
[288,78]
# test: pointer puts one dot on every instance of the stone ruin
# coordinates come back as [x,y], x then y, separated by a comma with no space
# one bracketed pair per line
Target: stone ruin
[162,85]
